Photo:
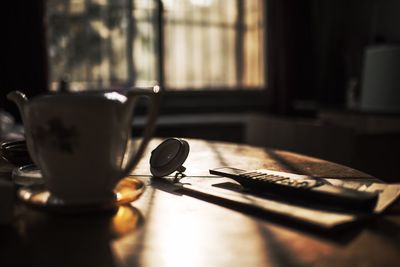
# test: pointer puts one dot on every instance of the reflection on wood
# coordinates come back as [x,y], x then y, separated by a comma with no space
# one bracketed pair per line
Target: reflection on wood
[177,230]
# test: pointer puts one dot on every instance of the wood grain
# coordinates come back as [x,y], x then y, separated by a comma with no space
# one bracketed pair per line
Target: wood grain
[166,228]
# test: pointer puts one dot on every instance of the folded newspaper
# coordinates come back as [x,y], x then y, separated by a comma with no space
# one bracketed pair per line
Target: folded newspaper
[219,189]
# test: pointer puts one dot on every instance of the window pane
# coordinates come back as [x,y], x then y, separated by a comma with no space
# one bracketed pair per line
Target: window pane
[144,48]
[206,40]
[208,44]
[101,43]
[253,65]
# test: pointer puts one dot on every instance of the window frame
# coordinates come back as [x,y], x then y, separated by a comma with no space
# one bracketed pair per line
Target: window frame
[215,99]
[209,99]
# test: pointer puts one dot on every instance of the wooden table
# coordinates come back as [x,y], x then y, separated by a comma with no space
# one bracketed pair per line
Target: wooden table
[165,228]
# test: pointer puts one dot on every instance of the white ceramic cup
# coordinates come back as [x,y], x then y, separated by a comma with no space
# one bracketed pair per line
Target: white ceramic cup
[79,140]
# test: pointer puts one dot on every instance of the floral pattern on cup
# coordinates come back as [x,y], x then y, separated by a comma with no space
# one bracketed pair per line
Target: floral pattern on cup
[56,135]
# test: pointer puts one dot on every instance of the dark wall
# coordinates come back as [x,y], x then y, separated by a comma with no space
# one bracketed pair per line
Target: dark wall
[386,20]
[23,49]
[315,47]
[341,30]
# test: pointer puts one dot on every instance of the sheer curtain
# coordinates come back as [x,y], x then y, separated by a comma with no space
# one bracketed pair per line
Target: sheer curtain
[208,44]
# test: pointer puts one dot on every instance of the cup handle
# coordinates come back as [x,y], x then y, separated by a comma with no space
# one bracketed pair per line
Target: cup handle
[154,96]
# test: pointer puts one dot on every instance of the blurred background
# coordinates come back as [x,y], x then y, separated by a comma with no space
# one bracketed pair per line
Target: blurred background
[318,77]
[102,43]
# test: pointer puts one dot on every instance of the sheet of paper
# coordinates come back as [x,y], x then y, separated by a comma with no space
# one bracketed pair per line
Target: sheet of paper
[388,193]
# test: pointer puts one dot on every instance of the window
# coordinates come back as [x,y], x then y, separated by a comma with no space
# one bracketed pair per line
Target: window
[200,44]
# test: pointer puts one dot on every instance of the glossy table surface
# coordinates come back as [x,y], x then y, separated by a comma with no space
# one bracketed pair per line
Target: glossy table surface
[165,228]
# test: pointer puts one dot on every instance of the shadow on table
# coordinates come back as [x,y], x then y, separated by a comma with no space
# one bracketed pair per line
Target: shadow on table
[337,235]
[316,167]
[388,229]
[70,240]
